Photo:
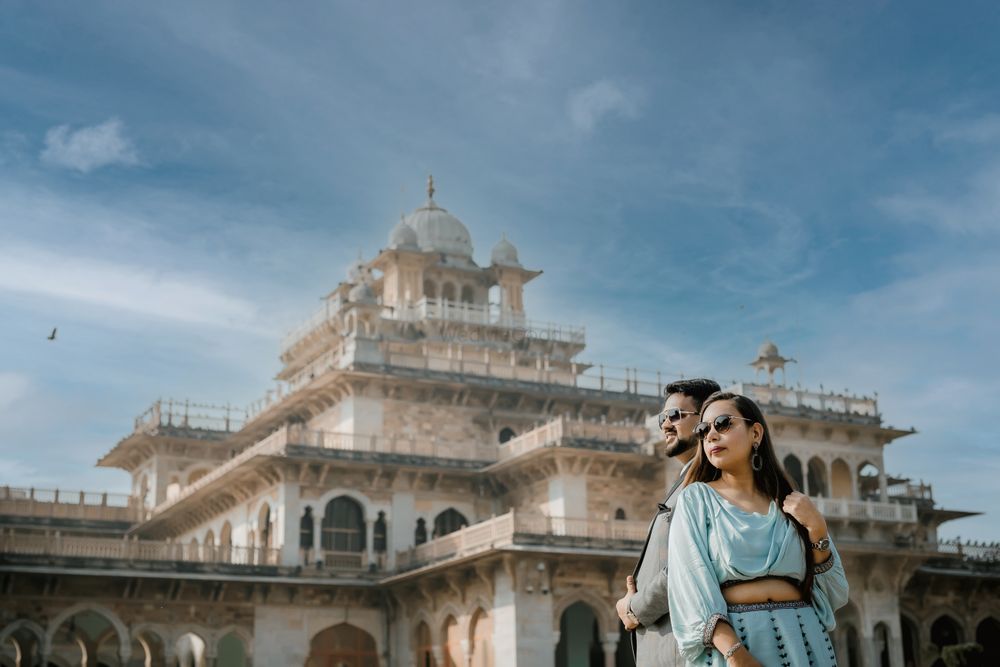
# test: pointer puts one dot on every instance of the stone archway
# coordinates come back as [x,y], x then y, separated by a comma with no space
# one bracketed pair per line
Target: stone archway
[97,626]
[579,638]
[481,639]
[342,645]
[988,636]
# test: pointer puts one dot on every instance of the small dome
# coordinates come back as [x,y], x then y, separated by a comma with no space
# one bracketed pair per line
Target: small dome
[438,230]
[767,350]
[403,237]
[357,270]
[504,253]
[361,293]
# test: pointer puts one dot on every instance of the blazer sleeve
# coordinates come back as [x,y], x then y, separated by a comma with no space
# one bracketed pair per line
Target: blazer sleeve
[695,599]
[649,604]
[830,589]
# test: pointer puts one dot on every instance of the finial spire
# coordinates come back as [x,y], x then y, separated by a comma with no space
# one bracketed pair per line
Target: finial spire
[430,186]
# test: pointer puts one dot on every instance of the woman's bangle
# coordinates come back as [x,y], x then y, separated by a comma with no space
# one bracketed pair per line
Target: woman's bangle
[732,650]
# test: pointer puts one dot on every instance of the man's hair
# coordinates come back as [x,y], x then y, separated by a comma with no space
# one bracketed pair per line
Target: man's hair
[697,388]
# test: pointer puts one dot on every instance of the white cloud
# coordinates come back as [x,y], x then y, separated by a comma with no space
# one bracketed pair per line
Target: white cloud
[134,289]
[975,209]
[13,387]
[591,104]
[89,148]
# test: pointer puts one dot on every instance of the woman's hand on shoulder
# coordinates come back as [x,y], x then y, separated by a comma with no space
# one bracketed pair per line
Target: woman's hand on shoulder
[802,509]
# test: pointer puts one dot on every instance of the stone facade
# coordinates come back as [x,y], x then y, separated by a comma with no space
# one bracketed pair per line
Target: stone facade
[439,480]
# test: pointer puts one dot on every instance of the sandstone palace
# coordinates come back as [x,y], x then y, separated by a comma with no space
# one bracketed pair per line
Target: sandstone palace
[440,480]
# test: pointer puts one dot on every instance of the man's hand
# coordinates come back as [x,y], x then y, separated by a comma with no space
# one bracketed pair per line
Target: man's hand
[622,605]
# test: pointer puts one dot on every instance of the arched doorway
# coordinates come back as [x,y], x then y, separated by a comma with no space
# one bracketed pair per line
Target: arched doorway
[481,639]
[231,651]
[23,644]
[506,434]
[451,644]
[190,650]
[911,641]
[794,469]
[988,636]
[945,631]
[447,522]
[424,646]
[579,638]
[882,645]
[86,638]
[853,646]
[226,542]
[342,645]
[147,649]
[840,480]
[816,470]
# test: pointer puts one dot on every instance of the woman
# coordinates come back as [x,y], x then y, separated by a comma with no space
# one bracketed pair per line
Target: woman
[752,576]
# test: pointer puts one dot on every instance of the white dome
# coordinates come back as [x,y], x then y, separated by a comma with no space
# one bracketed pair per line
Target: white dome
[767,350]
[504,253]
[440,231]
[361,293]
[403,236]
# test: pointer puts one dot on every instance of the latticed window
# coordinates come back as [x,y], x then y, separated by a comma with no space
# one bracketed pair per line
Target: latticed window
[343,526]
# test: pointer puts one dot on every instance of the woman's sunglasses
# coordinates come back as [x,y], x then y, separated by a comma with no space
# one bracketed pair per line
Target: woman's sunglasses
[722,423]
[673,415]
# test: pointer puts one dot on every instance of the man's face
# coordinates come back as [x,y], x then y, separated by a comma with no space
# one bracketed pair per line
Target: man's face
[678,436]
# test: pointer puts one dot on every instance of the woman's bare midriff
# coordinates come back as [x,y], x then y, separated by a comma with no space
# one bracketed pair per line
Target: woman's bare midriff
[763,590]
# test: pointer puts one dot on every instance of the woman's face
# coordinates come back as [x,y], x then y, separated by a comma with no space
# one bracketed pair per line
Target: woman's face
[731,450]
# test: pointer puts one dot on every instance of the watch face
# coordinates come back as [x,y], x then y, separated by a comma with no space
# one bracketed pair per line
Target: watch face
[823,544]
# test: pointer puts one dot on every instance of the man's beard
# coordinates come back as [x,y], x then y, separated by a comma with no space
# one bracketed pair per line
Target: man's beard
[680,446]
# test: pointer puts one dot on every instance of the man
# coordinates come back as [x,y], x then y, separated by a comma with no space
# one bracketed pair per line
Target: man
[644,608]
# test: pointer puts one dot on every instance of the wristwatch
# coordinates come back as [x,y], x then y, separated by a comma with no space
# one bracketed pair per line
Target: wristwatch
[822,544]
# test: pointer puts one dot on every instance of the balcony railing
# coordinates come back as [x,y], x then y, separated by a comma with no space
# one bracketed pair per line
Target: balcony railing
[324,314]
[486,315]
[402,445]
[188,415]
[67,546]
[509,528]
[62,504]
[865,510]
[555,431]
[840,404]
[970,551]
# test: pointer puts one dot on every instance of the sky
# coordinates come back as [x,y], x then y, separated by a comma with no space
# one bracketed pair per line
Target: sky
[181,182]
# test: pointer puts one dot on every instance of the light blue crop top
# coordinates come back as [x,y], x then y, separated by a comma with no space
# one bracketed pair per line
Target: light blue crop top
[713,541]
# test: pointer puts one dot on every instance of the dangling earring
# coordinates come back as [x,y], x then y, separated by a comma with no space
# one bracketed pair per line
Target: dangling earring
[756,461]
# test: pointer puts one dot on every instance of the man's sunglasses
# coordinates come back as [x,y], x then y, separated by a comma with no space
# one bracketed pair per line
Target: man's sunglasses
[673,415]
[722,423]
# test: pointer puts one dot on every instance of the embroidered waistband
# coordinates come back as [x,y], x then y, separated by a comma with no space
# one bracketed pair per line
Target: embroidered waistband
[767,606]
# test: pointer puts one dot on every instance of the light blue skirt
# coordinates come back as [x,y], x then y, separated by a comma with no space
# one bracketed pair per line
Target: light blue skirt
[779,634]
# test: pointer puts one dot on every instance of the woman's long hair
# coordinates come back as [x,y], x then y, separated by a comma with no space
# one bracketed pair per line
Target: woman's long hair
[771,479]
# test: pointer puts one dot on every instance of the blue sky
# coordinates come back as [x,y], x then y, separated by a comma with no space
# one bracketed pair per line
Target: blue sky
[180,182]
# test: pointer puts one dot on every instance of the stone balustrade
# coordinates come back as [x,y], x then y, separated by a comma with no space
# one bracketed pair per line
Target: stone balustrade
[778,396]
[62,504]
[123,549]
[847,509]
[556,431]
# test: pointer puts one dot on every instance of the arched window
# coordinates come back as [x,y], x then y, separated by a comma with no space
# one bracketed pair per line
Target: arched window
[945,631]
[794,469]
[468,294]
[226,542]
[868,483]
[343,526]
[420,534]
[840,480]
[379,538]
[430,289]
[264,526]
[619,514]
[448,292]
[817,478]
[448,521]
[307,526]
[231,651]
[911,640]
[506,433]
[882,645]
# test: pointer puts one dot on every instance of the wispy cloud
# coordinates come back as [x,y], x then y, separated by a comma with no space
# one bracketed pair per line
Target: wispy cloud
[133,289]
[974,208]
[13,387]
[591,104]
[89,148]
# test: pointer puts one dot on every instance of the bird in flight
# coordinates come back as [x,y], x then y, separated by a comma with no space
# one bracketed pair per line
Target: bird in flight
[52,336]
